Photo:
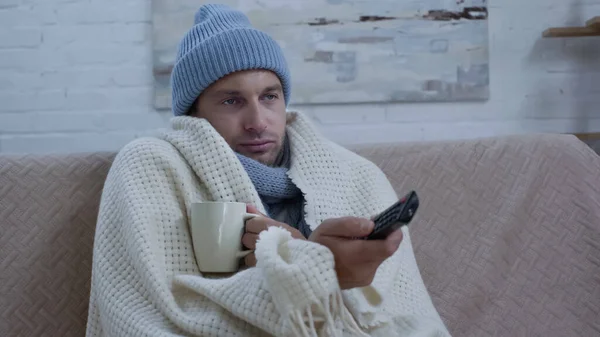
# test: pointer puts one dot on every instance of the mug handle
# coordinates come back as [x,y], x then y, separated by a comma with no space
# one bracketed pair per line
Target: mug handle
[244,253]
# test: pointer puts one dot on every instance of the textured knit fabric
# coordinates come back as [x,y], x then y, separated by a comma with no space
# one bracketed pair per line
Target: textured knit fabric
[222,41]
[145,280]
[282,199]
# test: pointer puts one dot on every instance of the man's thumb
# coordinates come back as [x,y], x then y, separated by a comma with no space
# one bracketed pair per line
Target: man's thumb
[346,227]
[253,209]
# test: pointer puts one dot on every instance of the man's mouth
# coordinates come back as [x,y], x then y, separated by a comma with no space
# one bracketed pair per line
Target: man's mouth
[258,146]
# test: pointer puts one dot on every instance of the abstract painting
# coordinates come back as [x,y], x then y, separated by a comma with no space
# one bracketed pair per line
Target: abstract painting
[352,51]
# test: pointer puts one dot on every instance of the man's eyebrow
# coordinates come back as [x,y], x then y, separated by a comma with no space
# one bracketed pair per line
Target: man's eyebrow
[274,87]
[225,92]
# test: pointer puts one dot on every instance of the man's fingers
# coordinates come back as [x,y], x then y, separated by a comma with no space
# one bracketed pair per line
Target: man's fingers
[250,260]
[261,223]
[379,250]
[347,227]
[249,240]
[392,242]
[257,225]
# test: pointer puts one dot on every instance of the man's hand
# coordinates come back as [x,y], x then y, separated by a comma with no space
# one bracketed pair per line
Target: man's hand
[255,226]
[356,260]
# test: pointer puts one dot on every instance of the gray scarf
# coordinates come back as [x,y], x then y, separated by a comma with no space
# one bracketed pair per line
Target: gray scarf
[280,197]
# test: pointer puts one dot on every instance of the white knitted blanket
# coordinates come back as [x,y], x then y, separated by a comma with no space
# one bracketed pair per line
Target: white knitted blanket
[145,281]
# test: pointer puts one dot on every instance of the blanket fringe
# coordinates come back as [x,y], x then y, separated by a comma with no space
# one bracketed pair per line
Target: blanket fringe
[330,313]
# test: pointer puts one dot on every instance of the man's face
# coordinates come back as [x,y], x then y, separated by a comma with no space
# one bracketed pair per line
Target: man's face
[247,108]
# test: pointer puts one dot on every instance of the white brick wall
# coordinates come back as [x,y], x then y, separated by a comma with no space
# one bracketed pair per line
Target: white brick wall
[75,75]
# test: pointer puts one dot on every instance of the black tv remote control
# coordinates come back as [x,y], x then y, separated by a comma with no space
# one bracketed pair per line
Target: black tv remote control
[398,215]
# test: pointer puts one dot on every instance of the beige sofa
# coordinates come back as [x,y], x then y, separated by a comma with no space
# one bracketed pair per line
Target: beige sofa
[507,237]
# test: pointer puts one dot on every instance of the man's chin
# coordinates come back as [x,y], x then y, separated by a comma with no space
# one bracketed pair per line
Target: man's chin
[263,158]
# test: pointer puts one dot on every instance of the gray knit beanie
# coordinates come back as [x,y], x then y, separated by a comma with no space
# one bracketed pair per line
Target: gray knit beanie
[222,41]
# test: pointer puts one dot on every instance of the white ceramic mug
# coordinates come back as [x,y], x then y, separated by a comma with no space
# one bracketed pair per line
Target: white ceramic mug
[217,229]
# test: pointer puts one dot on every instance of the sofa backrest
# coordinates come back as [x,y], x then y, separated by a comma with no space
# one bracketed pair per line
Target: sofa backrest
[48,211]
[482,268]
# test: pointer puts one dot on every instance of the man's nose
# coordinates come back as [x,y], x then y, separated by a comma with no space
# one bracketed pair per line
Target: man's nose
[255,118]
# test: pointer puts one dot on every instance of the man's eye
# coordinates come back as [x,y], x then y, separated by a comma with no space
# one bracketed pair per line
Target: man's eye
[229,101]
[270,97]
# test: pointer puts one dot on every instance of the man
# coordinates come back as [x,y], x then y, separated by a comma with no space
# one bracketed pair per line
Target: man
[232,140]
